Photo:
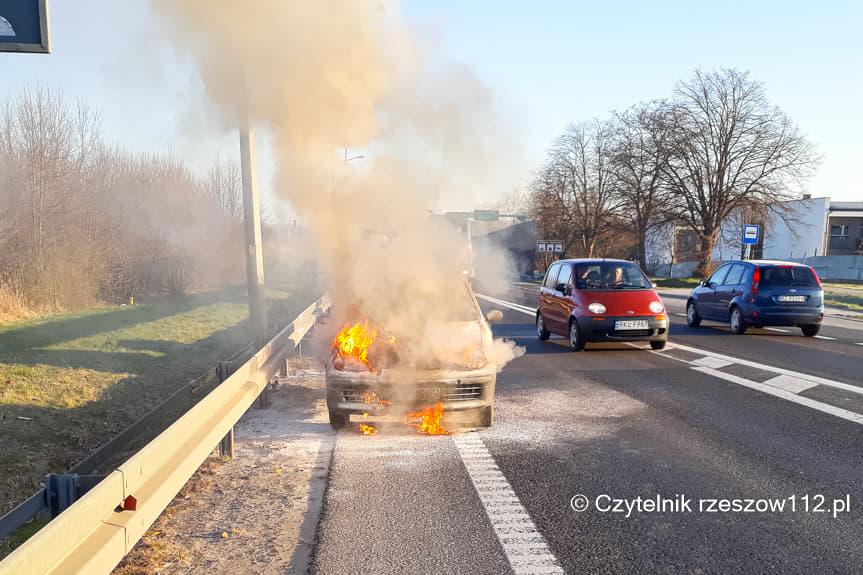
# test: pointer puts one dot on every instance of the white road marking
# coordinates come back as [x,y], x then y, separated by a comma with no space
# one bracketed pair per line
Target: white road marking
[713,362]
[790,383]
[777,370]
[787,395]
[824,337]
[860,343]
[517,307]
[680,314]
[525,548]
[779,329]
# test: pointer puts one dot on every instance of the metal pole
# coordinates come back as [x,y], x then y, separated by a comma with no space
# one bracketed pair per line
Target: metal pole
[254,253]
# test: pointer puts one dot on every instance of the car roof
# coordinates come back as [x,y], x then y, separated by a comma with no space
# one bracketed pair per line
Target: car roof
[769,263]
[591,261]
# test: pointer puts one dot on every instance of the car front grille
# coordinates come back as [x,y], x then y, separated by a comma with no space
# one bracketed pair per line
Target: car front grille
[462,392]
[630,332]
[452,392]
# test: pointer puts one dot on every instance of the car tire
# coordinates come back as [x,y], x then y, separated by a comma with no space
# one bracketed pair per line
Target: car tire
[735,321]
[657,345]
[810,330]
[692,317]
[488,416]
[337,421]
[576,342]
[541,332]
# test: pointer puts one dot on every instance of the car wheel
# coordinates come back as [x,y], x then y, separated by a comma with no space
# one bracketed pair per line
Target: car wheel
[692,317]
[337,421]
[576,343]
[541,332]
[735,322]
[810,330]
[657,344]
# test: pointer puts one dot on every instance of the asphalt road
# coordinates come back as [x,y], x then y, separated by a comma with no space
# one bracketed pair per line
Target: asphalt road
[720,429]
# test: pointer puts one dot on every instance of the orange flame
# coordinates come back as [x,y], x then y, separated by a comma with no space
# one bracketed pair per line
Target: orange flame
[355,341]
[429,420]
[369,397]
[368,430]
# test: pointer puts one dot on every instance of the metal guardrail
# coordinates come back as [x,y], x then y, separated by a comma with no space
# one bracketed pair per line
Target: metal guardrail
[100,528]
[61,490]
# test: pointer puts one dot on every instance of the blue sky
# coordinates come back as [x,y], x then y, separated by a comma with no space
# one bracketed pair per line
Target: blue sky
[547,63]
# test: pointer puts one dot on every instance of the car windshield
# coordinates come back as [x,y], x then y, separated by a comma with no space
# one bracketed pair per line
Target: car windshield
[787,276]
[609,276]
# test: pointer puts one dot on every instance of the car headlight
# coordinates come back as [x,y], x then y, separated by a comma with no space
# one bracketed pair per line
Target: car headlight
[596,308]
[656,307]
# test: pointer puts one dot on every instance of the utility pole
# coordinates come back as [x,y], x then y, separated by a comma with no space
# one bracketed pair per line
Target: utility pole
[254,252]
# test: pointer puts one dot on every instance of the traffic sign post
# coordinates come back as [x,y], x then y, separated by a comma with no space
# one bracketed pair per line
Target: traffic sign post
[24,26]
[750,237]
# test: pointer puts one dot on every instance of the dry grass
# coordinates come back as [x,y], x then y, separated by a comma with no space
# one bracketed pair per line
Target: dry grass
[14,306]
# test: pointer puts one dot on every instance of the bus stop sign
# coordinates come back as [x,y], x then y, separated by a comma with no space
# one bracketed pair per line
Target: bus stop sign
[750,234]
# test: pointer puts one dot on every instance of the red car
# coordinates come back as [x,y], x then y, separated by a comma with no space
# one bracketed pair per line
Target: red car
[589,300]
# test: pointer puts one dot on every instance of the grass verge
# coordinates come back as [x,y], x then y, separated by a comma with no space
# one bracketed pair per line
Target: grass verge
[70,382]
[844,301]
[676,282]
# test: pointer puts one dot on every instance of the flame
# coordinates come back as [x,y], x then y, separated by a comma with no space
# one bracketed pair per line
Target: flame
[368,430]
[430,420]
[369,397]
[355,341]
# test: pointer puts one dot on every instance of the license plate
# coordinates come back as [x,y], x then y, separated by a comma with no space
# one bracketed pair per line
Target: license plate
[360,418]
[791,298]
[631,324]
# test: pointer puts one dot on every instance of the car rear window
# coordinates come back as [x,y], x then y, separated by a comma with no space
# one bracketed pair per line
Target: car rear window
[787,276]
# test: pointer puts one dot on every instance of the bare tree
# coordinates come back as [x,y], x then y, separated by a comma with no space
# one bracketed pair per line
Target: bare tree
[729,148]
[640,151]
[574,191]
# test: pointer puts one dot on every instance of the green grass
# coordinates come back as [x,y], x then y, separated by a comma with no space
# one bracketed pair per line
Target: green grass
[844,301]
[676,282]
[70,382]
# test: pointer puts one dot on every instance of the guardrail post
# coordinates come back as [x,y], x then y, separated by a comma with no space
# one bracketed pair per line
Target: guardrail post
[226,446]
[61,491]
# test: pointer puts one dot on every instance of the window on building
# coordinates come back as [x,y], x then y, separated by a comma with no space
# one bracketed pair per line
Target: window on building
[839,231]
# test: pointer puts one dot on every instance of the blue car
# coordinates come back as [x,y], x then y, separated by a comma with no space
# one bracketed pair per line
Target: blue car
[757,293]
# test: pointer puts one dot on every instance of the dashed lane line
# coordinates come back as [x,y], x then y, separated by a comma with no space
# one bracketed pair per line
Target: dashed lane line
[779,329]
[524,546]
[824,337]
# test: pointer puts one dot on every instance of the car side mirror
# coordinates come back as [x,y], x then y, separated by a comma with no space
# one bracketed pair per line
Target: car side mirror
[704,283]
[560,287]
[494,315]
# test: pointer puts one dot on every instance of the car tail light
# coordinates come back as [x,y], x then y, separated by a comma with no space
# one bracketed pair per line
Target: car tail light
[816,276]
[756,277]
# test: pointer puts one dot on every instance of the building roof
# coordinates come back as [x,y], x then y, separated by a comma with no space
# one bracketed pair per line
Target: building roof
[846,206]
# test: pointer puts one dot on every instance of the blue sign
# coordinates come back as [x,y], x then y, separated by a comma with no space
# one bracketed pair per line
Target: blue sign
[24,26]
[750,234]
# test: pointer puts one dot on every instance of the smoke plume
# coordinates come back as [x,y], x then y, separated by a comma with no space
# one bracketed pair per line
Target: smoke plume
[322,77]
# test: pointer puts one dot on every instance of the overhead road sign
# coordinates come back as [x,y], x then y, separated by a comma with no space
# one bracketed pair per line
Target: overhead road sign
[24,26]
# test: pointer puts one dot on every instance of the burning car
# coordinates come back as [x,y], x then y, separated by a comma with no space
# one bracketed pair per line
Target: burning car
[438,373]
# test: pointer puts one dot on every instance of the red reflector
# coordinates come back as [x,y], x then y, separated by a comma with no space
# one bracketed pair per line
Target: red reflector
[598,318]
[755,313]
